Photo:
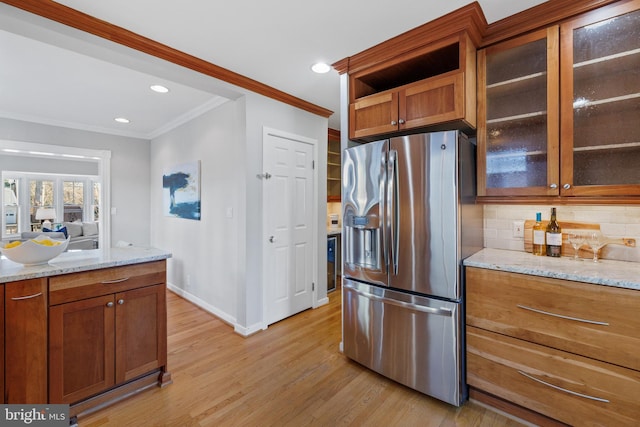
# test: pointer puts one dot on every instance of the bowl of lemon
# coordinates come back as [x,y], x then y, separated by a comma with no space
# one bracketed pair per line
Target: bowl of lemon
[39,250]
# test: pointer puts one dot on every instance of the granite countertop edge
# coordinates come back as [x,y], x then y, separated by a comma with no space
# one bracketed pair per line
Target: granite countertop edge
[614,273]
[74,262]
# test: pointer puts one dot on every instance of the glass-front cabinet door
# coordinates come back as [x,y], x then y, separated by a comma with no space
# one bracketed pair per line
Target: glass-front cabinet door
[518,123]
[600,100]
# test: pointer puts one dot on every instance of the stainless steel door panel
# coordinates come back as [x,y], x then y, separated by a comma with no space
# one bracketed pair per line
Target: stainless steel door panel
[426,198]
[411,339]
[363,204]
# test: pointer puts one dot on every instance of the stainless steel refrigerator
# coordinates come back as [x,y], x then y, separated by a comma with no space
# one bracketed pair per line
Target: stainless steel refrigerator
[409,219]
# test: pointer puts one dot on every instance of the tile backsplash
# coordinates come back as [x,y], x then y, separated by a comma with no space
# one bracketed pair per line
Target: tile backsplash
[334,208]
[615,221]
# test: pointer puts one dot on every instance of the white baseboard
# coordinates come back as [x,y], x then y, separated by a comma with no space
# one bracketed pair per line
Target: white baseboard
[322,301]
[203,305]
[245,332]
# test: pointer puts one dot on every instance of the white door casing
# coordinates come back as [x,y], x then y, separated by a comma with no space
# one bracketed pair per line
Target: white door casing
[288,224]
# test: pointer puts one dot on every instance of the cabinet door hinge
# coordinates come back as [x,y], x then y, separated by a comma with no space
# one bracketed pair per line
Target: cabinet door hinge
[313,164]
[313,286]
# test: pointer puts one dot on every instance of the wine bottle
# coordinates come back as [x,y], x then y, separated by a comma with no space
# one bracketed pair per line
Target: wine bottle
[539,241]
[554,236]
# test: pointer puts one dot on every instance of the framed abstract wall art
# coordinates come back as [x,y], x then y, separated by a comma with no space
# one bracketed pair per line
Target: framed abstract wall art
[181,190]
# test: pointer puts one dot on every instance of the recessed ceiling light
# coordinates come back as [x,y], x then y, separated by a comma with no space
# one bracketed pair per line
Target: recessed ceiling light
[121,120]
[159,88]
[321,68]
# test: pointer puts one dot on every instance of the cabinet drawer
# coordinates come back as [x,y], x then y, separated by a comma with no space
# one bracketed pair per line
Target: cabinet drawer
[596,321]
[77,286]
[570,388]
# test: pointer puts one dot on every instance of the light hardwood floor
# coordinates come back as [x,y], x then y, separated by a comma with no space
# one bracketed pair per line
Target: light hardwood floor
[292,374]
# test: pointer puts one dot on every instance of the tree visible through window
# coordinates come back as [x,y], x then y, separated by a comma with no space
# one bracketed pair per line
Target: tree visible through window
[73,200]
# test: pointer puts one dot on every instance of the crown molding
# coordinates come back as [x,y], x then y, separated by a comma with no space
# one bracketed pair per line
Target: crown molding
[81,21]
[469,19]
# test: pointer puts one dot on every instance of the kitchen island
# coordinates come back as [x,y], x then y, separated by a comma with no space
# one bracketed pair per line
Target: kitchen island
[554,340]
[87,329]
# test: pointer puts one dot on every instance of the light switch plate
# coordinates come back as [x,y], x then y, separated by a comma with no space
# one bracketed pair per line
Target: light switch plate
[518,229]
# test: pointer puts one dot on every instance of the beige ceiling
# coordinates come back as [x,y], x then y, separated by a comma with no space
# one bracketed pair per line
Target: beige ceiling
[51,74]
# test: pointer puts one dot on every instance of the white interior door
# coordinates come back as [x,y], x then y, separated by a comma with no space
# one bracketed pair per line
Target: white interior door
[288,225]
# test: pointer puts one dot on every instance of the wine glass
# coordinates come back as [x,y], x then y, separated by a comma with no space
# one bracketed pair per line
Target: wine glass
[576,239]
[596,241]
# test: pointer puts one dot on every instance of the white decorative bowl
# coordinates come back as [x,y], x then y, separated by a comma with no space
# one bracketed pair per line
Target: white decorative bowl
[32,253]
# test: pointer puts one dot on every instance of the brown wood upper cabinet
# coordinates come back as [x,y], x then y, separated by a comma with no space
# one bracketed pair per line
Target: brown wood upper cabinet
[539,138]
[431,87]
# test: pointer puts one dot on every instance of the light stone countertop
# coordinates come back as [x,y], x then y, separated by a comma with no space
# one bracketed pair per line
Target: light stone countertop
[334,231]
[620,274]
[75,261]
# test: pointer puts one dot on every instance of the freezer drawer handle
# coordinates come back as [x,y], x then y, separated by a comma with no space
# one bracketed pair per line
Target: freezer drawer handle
[577,319]
[439,311]
[586,396]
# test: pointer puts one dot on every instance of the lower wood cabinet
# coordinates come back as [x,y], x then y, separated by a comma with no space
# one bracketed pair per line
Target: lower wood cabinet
[86,339]
[563,349]
[570,388]
[25,341]
[99,342]
[81,348]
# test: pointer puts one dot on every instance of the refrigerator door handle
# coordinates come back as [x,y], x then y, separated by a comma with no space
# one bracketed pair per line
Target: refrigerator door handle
[429,310]
[392,208]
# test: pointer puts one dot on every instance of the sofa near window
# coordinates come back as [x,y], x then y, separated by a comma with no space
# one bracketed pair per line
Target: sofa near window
[84,235]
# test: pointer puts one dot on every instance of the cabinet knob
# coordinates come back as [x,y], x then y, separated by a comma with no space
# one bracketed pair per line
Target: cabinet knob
[401,121]
[393,123]
[120,301]
[566,186]
[554,186]
[110,304]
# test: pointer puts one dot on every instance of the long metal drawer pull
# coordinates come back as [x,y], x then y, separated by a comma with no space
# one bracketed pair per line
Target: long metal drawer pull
[27,297]
[586,396]
[429,310]
[577,319]
[110,282]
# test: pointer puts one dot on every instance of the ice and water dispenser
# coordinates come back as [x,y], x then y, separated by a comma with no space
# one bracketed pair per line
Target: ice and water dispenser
[362,234]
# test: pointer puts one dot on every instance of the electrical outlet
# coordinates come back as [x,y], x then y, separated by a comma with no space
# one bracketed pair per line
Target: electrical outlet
[518,229]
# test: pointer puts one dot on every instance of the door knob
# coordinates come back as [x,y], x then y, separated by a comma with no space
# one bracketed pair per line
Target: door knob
[272,239]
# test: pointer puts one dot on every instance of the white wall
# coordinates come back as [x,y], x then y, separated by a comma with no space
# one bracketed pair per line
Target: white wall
[129,171]
[217,261]
[204,265]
